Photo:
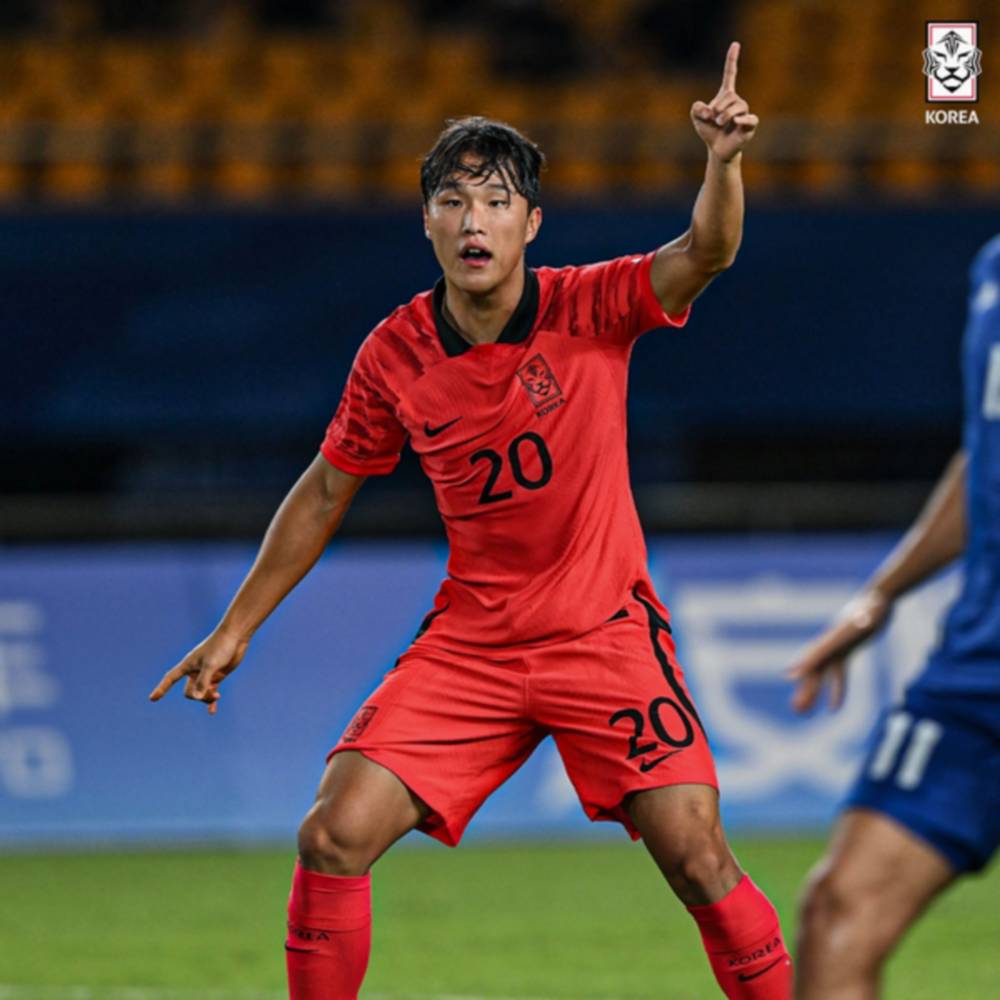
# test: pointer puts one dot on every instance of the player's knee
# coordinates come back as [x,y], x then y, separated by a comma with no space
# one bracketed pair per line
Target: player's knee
[700,865]
[836,913]
[824,901]
[334,841]
[704,867]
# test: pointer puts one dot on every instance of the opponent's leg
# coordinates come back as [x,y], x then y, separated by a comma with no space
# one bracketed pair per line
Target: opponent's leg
[874,881]
[361,809]
[682,830]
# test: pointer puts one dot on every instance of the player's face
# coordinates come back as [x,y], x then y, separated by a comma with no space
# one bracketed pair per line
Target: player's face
[479,227]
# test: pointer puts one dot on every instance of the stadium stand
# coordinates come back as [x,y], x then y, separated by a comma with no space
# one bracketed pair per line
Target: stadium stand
[109,101]
[180,179]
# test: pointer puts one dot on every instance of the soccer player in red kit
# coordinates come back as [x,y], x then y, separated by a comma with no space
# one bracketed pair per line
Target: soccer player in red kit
[510,384]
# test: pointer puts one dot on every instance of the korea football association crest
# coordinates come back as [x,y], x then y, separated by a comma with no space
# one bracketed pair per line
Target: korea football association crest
[952,61]
[359,724]
[541,385]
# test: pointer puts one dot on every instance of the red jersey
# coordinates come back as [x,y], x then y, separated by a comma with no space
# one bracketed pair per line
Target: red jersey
[524,442]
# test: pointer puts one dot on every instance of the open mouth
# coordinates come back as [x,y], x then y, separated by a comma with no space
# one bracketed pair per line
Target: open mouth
[476,256]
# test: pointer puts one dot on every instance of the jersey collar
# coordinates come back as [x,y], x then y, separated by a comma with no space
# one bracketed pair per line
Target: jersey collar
[520,324]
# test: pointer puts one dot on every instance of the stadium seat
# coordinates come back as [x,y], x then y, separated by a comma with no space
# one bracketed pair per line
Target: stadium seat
[75,181]
[163,179]
[325,114]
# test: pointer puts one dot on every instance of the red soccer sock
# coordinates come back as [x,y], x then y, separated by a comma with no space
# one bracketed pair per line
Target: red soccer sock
[742,938]
[329,935]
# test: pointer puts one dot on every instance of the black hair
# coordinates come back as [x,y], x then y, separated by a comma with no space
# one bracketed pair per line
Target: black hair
[500,148]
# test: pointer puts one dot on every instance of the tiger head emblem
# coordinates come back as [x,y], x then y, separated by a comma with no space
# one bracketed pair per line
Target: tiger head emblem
[952,61]
[537,378]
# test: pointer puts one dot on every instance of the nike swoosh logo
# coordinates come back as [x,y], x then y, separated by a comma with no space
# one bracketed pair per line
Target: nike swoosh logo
[434,431]
[648,765]
[302,951]
[745,977]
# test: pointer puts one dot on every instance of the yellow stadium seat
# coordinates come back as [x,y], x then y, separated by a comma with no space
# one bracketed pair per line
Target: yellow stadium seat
[772,40]
[129,68]
[333,163]
[329,180]
[244,179]
[75,181]
[365,102]
[287,67]
[456,66]
[24,107]
[981,176]
[11,181]
[205,69]
[907,178]
[823,177]
[760,178]
[45,69]
[163,180]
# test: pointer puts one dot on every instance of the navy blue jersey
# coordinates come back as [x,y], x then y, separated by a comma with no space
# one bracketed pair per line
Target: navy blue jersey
[967,661]
[934,761]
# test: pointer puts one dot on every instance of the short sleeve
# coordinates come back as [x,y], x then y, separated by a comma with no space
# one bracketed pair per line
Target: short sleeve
[618,299]
[365,437]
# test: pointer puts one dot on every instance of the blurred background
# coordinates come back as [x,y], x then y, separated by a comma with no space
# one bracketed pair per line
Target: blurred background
[205,206]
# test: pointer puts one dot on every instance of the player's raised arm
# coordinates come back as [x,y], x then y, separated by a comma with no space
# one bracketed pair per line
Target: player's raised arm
[936,538]
[295,539]
[683,268]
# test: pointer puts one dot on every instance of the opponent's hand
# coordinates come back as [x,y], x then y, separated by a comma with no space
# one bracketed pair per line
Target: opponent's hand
[205,667]
[725,123]
[824,661]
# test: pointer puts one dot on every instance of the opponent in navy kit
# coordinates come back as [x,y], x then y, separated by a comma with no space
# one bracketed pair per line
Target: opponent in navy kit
[926,806]
[509,382]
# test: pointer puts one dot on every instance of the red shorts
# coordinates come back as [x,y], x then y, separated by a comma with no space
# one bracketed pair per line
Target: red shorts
[453,724]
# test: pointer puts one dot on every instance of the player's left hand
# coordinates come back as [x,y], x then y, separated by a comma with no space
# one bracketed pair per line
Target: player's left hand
[824,662]
[725,123]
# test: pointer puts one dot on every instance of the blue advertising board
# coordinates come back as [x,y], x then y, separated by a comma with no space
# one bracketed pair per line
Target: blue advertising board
[86,632]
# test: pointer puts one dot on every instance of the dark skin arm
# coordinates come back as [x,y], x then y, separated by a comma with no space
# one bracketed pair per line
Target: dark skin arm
[684,267]
[299,532]
[936,538]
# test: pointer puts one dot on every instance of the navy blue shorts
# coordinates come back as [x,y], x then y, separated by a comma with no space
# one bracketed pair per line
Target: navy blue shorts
[936,771]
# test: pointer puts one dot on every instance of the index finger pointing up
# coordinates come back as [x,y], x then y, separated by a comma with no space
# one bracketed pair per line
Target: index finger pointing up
[729,72]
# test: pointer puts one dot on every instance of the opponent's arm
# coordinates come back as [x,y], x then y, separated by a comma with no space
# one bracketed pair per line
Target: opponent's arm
[683,267]
[306,520]
[936,538]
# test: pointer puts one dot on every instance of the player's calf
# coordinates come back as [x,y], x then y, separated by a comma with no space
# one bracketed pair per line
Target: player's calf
[739,927]
[329,935]
[745,947]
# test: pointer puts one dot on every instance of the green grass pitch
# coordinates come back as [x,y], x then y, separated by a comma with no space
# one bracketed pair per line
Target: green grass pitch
[580,920]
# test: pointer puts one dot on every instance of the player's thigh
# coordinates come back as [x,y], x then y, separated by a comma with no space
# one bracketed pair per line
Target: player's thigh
[623,719]
[874,881]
